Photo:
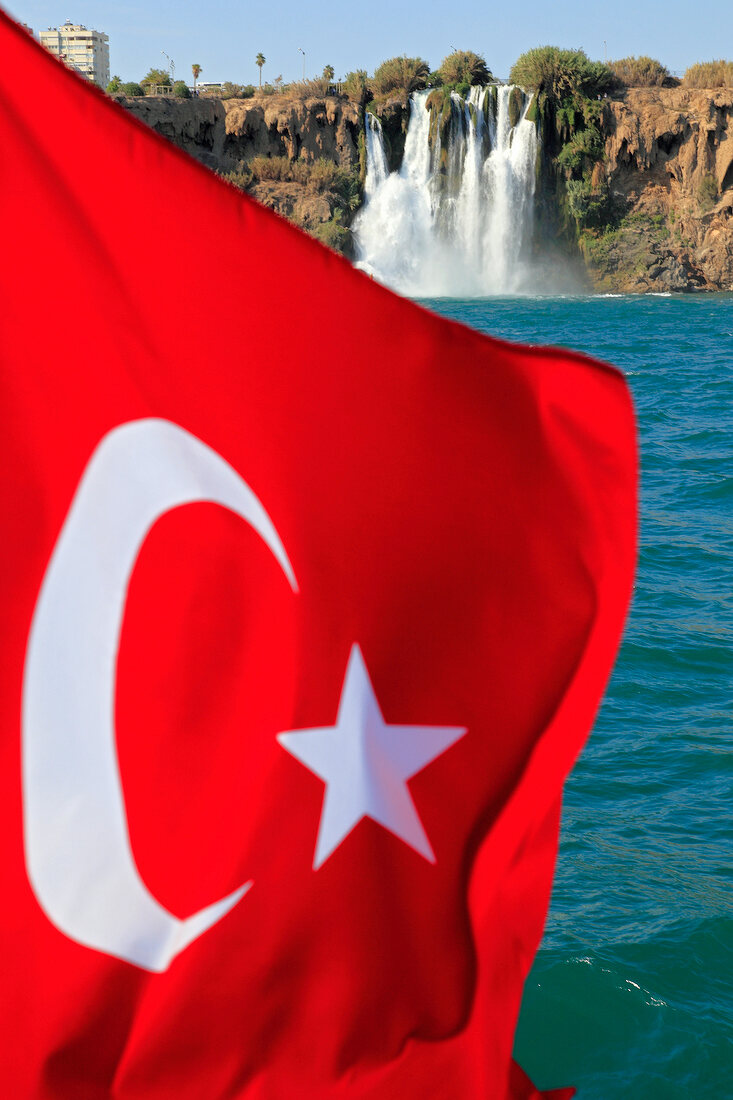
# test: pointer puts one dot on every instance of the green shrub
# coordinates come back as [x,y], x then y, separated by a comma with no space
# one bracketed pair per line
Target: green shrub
[114,85]
[586,204]
[464,67]
[267,89]
[319,175]
[709,74]
[132,89]
[270,168]
[516,102]
[400,74]
[308,89]
[180,90]
[333,235]
[240,178]
[708,192]
[300,171]
[491,99]
[236,91]
[583,149]
[323,175]
[356,86]
[348,186]
[561,73]
[639,72]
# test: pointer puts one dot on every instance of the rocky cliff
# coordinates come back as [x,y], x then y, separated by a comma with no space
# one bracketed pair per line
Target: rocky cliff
[227,134]
[669,169]
[240,138]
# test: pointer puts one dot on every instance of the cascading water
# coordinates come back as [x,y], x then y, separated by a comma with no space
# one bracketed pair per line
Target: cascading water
[457,218]
[377,167]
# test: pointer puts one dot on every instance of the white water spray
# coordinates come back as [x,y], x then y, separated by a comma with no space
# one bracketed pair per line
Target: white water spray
[455,220]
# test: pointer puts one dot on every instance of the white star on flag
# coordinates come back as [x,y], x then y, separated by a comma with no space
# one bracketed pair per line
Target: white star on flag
[365,765]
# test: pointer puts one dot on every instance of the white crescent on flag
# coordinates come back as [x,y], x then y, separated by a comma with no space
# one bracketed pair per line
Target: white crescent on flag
[77,845]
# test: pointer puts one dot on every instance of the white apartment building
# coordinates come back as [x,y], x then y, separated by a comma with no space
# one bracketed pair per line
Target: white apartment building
[84,50]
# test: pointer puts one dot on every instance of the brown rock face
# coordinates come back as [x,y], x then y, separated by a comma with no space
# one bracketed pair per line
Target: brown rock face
[298,129]
[669,164]
[225,134]
[195,125]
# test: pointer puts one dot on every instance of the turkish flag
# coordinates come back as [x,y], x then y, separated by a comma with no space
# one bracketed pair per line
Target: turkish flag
[308,601]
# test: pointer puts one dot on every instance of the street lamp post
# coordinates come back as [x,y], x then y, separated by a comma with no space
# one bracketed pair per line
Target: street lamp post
[171,66]
[303,53]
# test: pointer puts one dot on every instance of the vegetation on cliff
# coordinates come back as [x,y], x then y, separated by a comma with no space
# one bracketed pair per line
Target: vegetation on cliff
[156,78]
[400,74]
[561,75]
[464,67]
[568,108]
[320,196]
[709,74]
[235,91]
[117,87]
[356,86]
[641,72]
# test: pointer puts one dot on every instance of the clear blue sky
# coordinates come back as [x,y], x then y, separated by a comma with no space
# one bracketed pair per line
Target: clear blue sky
[223,36]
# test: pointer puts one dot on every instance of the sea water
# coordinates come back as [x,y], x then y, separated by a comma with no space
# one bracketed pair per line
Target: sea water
[631,995]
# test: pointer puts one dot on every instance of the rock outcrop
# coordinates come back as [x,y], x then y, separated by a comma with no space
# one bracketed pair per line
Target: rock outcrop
[669,170]
[227,134]
[298,129]
[197,126]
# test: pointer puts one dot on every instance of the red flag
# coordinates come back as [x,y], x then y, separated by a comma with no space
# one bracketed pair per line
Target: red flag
[309,598]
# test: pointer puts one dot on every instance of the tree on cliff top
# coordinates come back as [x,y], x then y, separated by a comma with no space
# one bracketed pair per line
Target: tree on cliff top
[196,70]
[235,91]
[400,74]
[259,62]
[328,73]
[464,67]
[357,86]
[561,73]
[156,77]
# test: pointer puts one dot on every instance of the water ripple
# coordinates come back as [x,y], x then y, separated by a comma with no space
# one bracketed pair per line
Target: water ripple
[631,994]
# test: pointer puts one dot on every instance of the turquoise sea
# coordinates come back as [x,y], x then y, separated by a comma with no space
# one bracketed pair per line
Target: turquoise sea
[631,995]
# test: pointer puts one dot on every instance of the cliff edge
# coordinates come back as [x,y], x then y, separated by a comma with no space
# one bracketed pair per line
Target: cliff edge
[669,170]
[226,134]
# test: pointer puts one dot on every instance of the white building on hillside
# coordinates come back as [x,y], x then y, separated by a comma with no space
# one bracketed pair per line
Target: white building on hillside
[84,50]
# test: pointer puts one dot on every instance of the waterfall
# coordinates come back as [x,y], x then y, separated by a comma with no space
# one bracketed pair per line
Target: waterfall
[457,219]
[378,169]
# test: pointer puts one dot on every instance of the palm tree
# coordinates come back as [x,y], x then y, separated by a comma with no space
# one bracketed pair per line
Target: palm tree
[328,73]
[196,70]
[260,61]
